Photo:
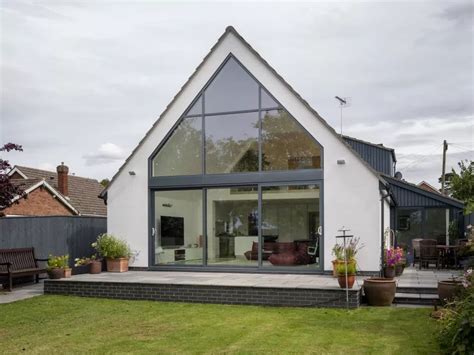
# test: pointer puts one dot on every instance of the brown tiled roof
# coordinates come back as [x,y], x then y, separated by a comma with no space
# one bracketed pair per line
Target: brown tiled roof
[83,192]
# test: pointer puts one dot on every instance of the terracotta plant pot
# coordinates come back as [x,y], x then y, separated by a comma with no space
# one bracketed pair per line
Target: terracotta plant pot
[67,273]
[379,291]
[448,289]
[389,272]
[95,267]
[399,269]
[117,265]
[342,281]
[56,273]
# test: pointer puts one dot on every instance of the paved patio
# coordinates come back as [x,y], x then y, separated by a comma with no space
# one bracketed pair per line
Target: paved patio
[21,292]
[425,278]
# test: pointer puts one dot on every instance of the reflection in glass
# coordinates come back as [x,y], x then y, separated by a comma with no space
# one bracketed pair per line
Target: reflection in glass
[286,145]
[181,154]
[231,90]
[196,109]
[290,226]
[267,101]
[436,224]
[232,143]
[409,227]
[178,227]
[232,226]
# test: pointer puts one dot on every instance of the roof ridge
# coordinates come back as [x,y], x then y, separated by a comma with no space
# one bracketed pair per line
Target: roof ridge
[377,145]
[53,172]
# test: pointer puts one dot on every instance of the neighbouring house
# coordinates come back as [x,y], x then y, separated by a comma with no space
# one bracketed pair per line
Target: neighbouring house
[239,173]
[428,187]
[48,193]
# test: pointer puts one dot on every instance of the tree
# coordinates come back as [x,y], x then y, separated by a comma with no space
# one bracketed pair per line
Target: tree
[105,182]
[461,185]
[8,190]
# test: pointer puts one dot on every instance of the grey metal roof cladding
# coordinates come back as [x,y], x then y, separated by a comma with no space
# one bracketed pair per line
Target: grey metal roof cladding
[230,29]
[379,157]
[410,195]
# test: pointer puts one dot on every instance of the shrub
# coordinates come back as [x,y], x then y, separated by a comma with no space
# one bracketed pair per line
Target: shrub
[457,332]
[111,247]
[58,262]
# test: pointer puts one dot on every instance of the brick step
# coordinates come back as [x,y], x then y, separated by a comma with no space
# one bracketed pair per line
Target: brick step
[415,298]
[418,290]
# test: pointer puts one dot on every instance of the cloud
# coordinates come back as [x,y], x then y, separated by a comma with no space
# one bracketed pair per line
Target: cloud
[106,153]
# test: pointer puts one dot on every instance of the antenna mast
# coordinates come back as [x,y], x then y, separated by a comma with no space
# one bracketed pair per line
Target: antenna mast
[343,102]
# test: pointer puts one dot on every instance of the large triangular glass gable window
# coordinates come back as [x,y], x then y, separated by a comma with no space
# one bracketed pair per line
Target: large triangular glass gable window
[195,109]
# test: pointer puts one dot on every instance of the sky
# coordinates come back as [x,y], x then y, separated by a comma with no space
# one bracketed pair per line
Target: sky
[83,81]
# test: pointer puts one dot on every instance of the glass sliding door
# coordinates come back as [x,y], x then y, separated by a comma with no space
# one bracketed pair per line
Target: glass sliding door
[232,226]
[178,226]
[291,226]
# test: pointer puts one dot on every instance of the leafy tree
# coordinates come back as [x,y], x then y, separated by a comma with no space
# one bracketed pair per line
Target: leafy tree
[8,190]
[105,182]
[461,185]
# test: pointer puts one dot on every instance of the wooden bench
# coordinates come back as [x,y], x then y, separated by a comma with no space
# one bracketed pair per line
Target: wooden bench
[19,262]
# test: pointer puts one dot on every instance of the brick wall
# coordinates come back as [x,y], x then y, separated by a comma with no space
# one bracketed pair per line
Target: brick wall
[40,202]
[266,296]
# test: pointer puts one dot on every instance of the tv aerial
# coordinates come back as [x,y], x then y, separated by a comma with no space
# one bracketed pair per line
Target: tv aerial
[343,102]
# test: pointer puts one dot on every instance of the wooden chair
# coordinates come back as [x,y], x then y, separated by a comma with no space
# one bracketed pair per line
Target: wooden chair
[15,263]
[429,253]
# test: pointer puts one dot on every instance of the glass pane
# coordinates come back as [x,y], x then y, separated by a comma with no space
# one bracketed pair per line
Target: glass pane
[178,227]
[181,154]
[436,224]
[267,101]
[232,143]
[231,90]
[409,227]
[291,226]
[232,226]
[286,145]
[196,109]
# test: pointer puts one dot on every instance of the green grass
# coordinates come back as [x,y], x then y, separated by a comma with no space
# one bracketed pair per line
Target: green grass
[63,324]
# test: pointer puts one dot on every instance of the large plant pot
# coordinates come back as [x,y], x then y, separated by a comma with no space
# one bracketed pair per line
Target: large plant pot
[334,267]
[389,272]
[342,281]
[448,289]
[56,273]
[117,265]
[379,291]
[67,273]
[399,269]
[95,267]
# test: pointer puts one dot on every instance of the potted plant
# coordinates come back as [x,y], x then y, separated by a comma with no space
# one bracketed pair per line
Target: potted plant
[56,266]
[379,291]
[66,269]
[95,264]
[115,251]
[341,273]
[338,252]
[392,258]
[449,289]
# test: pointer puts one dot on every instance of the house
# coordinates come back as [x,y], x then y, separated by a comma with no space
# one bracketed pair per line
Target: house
[57,193]
[239,173]
[428,187]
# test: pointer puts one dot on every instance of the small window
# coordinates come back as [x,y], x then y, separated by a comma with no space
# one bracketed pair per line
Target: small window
[231,90]
[181,154]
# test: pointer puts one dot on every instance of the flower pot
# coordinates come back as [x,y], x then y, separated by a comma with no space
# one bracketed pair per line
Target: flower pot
[55,273]
[399,269]
[95,267]
[389,272]
[342,281]
[117,265]
[67,272]
[448,289]
[379,291]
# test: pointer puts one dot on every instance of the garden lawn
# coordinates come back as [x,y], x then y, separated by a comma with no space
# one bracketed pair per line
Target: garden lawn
[65,324]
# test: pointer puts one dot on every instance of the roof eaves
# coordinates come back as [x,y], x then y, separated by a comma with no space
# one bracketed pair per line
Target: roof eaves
[436,196]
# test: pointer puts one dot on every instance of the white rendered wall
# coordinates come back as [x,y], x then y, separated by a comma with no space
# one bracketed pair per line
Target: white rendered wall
[351,194]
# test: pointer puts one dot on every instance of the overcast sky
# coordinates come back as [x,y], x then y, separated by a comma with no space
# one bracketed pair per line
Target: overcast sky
[82,82]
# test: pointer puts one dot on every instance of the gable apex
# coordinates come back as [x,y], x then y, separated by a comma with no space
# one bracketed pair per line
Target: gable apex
[228,44]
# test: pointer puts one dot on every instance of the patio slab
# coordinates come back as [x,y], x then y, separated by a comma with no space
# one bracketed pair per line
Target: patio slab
[21,292]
